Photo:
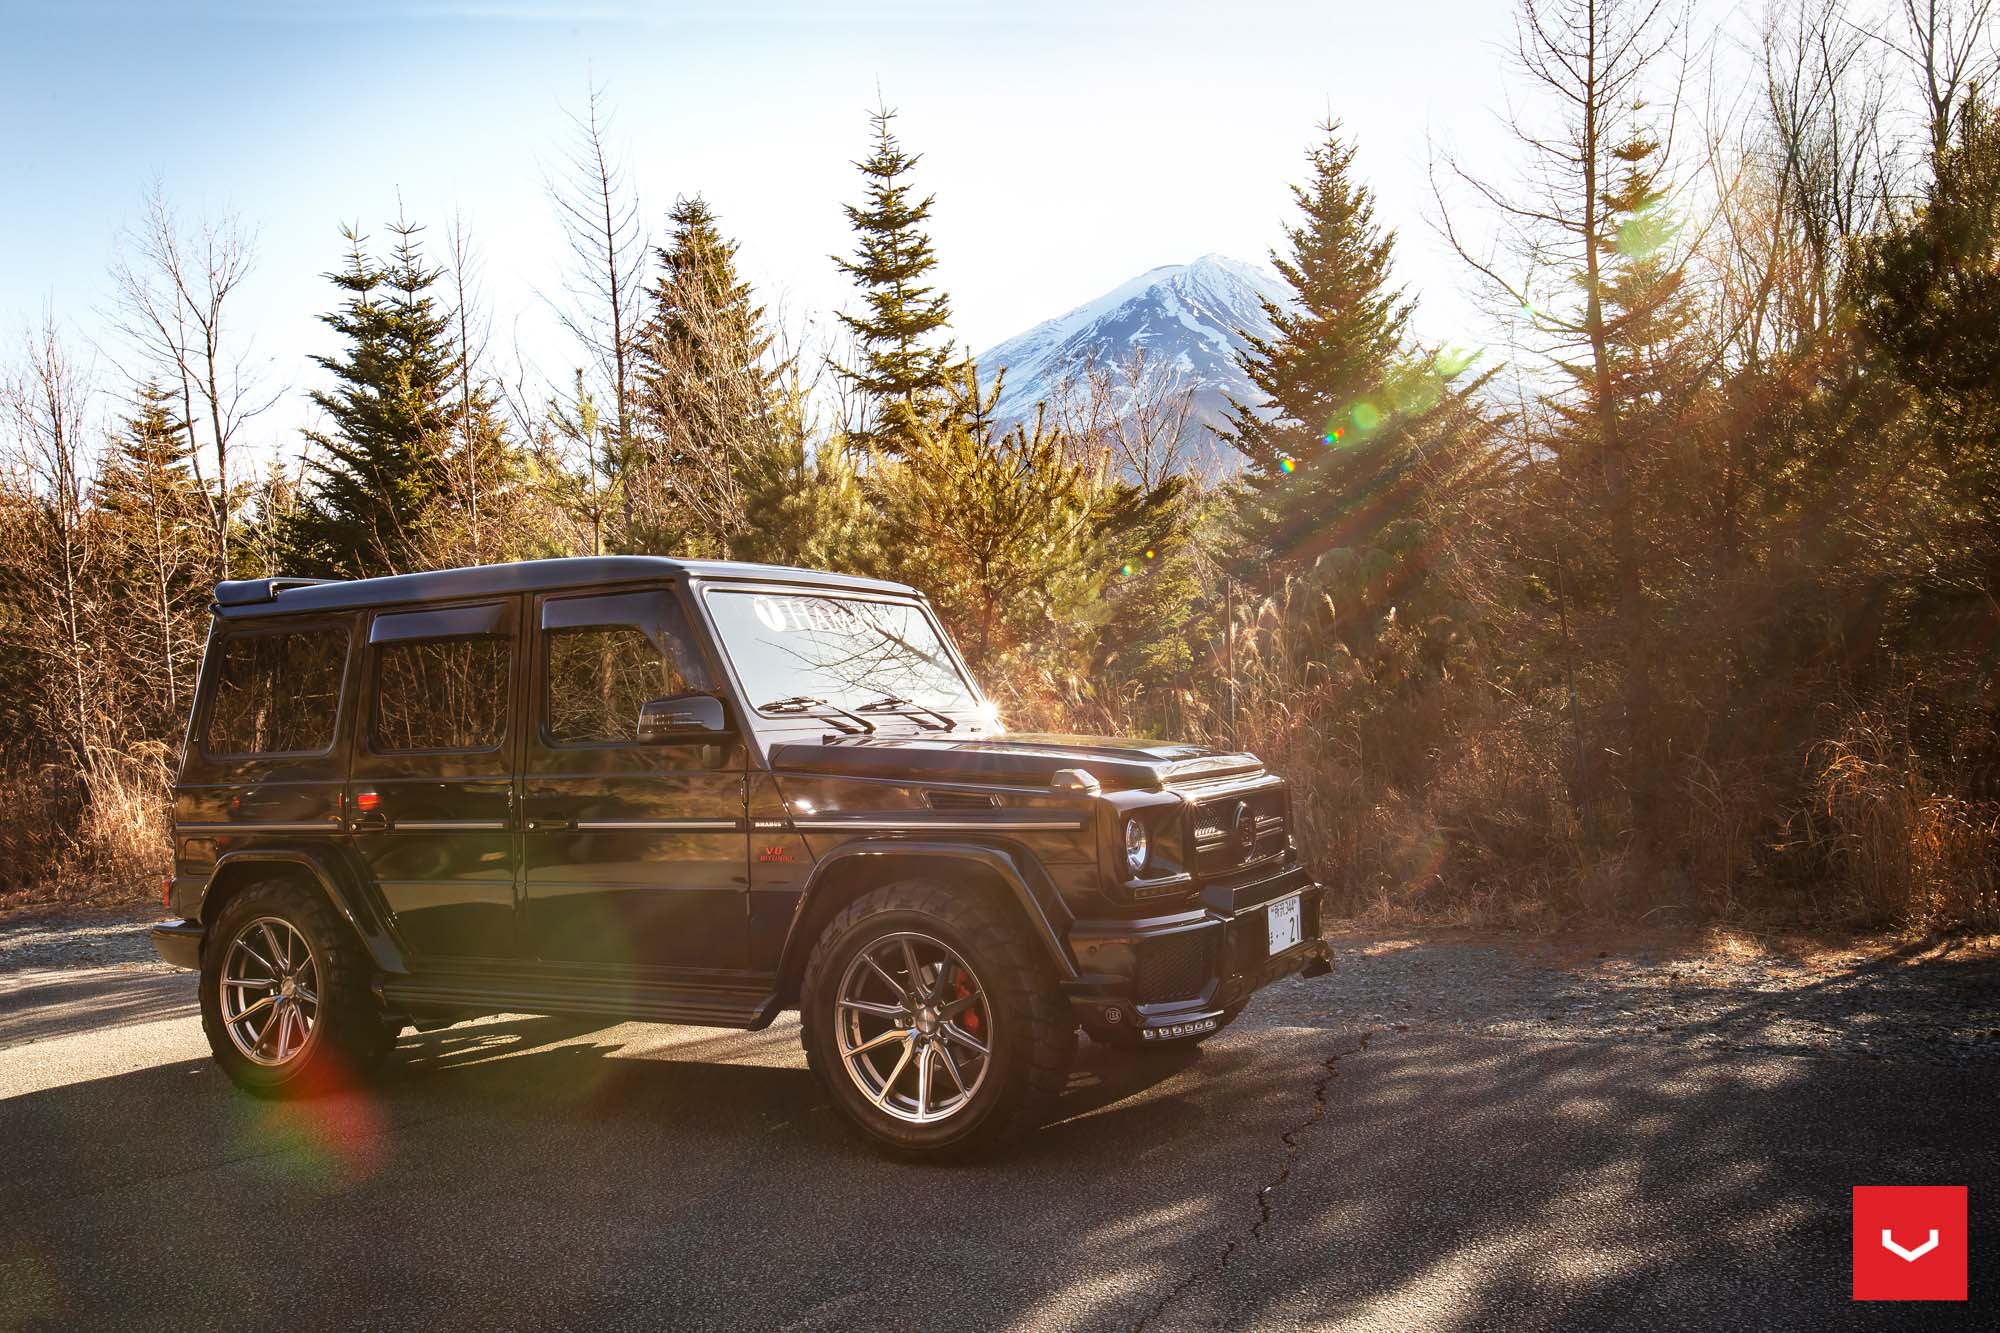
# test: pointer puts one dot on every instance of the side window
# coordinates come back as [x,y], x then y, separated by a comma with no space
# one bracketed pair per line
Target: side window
[595,675]
[275,693]
[441,694]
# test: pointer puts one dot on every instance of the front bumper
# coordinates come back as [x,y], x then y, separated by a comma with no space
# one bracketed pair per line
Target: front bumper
[1180,974]
[178,942]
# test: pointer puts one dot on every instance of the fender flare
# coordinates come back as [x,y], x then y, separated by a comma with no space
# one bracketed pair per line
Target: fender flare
[338,887]
[1047,915]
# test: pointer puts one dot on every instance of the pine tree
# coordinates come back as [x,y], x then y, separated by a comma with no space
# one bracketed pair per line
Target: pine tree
[1360,442]
[376,488]
[1317,371]
[1920,288]
[160,557]
[903,368]
[1002,530]
[704,399]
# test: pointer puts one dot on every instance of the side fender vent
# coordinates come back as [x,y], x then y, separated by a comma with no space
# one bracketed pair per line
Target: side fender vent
[961,800]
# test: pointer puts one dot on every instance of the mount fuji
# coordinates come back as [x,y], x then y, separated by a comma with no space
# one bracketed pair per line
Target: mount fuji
[1188,319]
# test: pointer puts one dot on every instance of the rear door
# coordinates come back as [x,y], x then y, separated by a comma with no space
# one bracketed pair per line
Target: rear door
[431,795]
[636,854]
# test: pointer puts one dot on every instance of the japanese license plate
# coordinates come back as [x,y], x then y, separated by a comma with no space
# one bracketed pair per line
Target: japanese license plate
[1282,920]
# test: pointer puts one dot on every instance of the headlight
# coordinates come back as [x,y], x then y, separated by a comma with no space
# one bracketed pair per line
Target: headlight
[1137,845]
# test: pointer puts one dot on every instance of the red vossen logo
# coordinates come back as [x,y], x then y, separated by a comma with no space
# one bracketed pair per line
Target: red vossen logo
[1909,1242]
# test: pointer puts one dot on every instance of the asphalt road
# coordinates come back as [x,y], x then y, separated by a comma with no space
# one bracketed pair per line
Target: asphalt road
[534,1173]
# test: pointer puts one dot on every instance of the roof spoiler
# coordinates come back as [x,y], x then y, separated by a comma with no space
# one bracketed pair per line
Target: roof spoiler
[249,592]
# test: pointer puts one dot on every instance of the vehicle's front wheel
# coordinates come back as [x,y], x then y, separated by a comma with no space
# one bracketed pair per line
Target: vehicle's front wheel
[933,1021]
[284,994]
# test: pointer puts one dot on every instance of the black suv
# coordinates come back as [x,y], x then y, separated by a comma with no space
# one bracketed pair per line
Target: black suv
[698,792]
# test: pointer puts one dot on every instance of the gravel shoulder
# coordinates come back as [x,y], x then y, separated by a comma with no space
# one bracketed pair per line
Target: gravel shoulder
[1934,1002]
[45,937]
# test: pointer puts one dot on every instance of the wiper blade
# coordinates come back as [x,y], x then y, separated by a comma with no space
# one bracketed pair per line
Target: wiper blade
[796,703]
[889,701]
[851,723]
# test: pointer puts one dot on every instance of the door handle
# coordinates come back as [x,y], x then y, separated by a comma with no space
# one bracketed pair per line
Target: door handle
[372,822]
[550,825]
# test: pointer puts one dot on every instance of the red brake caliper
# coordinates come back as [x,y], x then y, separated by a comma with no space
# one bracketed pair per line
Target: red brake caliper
[969,1020]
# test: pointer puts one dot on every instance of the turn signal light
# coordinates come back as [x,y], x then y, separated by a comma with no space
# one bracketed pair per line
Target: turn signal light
[367,801]
[167,892]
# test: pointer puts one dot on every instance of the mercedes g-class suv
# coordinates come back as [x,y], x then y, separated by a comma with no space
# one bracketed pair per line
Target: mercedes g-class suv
[698,792]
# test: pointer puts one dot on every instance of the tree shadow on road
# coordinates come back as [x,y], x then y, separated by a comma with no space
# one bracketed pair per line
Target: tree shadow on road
[529,1171]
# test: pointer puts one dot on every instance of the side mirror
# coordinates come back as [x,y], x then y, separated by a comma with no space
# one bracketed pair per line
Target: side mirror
[682,717]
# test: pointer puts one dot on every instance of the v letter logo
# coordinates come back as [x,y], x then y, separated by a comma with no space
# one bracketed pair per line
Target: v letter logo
[1933,1269]
[1889,1243]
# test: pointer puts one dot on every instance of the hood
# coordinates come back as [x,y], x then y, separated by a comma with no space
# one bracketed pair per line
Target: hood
[1017,761]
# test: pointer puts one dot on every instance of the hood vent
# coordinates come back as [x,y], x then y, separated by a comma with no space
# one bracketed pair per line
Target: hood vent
[961,800]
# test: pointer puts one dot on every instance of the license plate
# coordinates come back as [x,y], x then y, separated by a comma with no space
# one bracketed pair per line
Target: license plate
[1282,921]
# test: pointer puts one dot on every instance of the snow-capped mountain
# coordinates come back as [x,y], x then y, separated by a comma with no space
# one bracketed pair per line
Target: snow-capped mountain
[1188,319]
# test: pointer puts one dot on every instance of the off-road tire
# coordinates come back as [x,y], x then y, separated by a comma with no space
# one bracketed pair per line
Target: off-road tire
[1034,1040]
[1123,1038]
[350,1035]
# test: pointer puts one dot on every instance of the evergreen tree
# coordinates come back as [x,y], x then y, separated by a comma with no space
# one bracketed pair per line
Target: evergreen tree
[1155,613]
[705,392]
[903,369]
[1932,277]
[1360,443]
[159,558]
[375,490]
[151,459]
[1003,531]
[808,507]
[1317,371]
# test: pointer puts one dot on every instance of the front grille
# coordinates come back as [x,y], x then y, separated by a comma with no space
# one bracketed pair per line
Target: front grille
[1173,967]
[1230,831]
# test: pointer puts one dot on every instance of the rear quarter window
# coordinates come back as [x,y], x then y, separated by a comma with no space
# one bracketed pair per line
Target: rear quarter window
[275,692]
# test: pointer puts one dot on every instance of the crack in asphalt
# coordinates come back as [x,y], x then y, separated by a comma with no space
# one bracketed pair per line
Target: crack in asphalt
[1290,1138]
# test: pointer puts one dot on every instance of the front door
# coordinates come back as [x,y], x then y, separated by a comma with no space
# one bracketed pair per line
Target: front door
[430,795]
[637,855]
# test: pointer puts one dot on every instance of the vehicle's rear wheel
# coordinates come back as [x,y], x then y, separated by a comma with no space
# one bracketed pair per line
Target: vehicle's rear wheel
[284,994]
[933,1021]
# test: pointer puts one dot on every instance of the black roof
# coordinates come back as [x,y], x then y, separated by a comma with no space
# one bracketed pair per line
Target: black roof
[285,596]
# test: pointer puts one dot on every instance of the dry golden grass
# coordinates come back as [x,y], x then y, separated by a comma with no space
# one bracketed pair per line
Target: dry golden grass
[1908,848]
[103,839]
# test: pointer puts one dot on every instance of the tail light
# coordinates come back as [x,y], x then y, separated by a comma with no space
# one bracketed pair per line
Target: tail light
[167,892]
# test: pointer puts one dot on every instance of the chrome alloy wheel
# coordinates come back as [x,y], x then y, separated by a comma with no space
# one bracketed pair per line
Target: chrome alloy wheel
[914,1027]
[270,991]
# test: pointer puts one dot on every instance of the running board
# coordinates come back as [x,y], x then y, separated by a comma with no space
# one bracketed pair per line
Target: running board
[633,1001]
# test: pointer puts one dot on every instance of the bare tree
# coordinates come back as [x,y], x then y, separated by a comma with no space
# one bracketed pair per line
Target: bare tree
[1595,193]
[599,212]
[1949,44]
[51,553]
[471,464]
[1799,176]
[174,303]
[1136,413]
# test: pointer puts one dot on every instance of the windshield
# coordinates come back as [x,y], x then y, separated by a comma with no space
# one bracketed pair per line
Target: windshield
[807,651]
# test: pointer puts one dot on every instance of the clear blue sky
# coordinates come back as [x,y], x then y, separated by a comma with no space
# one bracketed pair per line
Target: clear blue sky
[1071,145]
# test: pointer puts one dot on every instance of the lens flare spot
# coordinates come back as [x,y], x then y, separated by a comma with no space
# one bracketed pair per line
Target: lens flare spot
[329,1141]
[1149,553]
[1125,569]
[1366,416]
[1288,465]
